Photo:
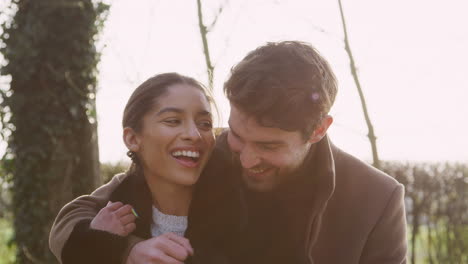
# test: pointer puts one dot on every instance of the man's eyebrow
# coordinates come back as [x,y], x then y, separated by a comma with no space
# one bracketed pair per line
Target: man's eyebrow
[267,142]
[270,142]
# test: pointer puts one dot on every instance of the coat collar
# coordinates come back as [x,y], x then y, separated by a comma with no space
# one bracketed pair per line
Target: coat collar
[135,192]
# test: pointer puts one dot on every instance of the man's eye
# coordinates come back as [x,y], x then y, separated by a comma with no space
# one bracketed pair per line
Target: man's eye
[269,147]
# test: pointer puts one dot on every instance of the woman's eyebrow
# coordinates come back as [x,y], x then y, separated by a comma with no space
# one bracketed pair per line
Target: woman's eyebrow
[169,109]
[180,110]
[205,113]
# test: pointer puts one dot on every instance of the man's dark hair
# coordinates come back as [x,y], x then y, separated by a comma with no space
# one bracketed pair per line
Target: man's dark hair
[287,84]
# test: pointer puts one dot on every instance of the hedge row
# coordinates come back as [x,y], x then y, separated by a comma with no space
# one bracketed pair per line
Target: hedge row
[437,210]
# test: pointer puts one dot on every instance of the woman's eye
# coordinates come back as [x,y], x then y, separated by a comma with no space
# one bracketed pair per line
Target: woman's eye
[172,121]
[205,125]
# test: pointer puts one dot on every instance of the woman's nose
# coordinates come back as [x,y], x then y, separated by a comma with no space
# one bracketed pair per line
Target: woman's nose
[191,132]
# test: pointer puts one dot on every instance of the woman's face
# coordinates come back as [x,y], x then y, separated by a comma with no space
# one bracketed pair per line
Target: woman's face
[176,138]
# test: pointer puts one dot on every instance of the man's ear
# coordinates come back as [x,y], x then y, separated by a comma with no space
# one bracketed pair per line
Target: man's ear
[131,139]
[321,130]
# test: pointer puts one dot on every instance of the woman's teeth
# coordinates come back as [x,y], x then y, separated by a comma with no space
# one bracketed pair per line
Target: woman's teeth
[186,153]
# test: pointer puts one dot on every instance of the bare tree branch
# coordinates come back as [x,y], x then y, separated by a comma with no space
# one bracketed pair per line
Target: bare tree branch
[352,64]
[220,10]
[206,50]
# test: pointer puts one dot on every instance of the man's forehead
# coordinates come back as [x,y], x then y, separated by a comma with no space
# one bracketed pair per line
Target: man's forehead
[239,120]
[247,127]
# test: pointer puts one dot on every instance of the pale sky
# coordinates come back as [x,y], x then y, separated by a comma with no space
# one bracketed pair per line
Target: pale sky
[411,54]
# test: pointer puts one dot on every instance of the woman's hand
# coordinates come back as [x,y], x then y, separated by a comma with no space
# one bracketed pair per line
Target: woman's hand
[167,248]
[115,218]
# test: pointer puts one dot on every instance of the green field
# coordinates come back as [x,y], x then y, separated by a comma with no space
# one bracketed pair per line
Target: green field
[7,253]
[440,246]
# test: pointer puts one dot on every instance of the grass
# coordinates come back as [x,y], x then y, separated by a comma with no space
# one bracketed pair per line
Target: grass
[424,252]
[7,251]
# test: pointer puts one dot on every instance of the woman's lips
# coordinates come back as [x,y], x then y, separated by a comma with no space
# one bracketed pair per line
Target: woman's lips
[187,162]
[187,157]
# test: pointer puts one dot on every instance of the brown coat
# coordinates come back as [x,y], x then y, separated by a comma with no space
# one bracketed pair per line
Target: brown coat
[340,210]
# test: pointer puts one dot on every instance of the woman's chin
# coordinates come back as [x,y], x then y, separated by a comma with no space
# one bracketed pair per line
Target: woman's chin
[186,180]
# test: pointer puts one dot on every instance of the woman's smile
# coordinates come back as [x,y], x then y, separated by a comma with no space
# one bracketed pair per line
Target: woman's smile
[187,157]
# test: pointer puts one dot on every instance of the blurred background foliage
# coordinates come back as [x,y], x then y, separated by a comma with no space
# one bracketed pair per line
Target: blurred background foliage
[436,209]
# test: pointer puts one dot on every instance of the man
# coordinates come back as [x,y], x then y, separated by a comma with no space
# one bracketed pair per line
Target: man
[306,200]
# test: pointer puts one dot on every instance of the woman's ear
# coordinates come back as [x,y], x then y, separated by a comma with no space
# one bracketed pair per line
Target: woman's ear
[131,139]
[321,130]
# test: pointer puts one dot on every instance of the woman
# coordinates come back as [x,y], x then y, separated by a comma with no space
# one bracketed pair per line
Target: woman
[167,127]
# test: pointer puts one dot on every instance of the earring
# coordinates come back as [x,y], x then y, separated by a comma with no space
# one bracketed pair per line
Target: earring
[132,155]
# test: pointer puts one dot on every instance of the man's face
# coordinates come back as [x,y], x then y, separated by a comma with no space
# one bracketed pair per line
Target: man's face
[268,155]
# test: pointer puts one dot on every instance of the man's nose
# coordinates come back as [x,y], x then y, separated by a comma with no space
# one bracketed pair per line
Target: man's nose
[248,158]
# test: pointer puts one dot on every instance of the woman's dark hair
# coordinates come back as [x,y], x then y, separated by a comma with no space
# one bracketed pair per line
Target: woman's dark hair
[146,96]
[283,84]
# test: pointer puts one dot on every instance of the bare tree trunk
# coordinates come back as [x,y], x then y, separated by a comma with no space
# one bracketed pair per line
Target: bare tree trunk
[429,243]
[53,146]
[371,134]
[414,235]
[206,50]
